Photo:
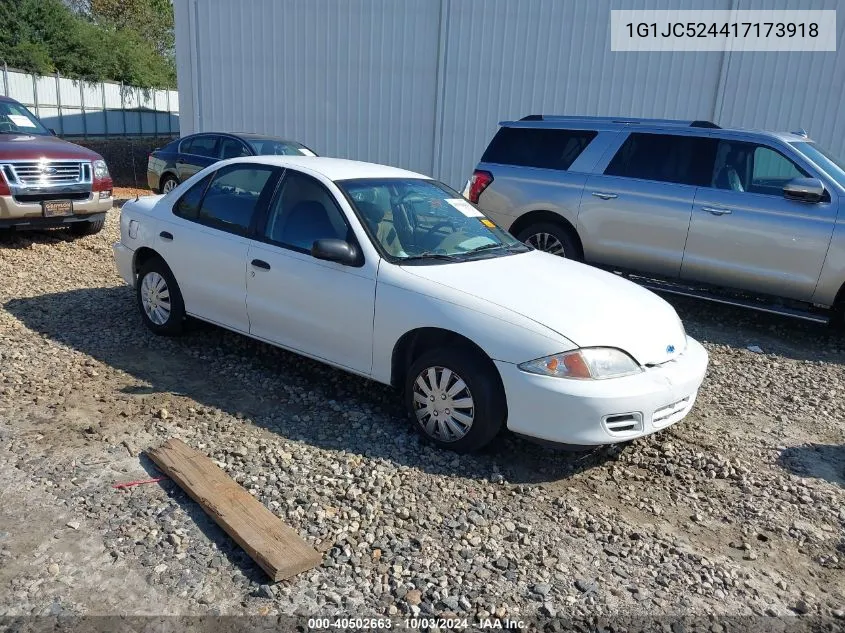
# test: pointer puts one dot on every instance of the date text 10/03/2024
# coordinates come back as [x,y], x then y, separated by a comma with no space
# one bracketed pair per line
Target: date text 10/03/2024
[422,623]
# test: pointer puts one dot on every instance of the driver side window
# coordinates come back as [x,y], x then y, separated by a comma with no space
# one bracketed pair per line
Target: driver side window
[304,211]
[752,168]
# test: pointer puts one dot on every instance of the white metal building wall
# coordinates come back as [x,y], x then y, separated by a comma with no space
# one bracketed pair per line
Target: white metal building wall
[422,84]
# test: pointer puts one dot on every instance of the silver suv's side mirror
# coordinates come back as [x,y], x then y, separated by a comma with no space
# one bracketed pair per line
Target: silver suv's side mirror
[804,190]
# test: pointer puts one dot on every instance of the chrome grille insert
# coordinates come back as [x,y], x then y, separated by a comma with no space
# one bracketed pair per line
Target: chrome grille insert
[46,173]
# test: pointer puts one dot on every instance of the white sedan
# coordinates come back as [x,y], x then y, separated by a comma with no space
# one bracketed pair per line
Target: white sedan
[392,275]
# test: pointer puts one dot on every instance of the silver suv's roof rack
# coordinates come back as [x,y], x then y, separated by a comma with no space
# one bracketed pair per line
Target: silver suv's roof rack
[620,120]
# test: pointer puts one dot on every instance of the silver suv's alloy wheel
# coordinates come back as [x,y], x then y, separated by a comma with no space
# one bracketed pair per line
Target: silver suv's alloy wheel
[546,242]
[169,185]
[443,404]
[155,298]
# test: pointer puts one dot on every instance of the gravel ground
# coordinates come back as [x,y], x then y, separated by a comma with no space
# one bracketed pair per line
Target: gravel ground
[738,510]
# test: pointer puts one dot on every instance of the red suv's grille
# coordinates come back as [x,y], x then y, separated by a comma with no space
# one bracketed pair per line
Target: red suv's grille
[46,173]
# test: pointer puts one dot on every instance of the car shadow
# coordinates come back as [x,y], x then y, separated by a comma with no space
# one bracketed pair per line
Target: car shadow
[292,396]
[821,461]
[743,328]
[14,238]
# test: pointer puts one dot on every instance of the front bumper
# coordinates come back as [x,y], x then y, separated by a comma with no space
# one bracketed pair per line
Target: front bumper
[594,412]
[15,213]
[124,258]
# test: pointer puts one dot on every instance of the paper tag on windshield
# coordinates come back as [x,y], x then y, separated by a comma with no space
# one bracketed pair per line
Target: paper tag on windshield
[306,152]
[20,120]
[465,207]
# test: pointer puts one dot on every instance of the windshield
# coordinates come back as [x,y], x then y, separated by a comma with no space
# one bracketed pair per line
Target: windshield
[831,164]
[16,119]
[424,220]
[275,147]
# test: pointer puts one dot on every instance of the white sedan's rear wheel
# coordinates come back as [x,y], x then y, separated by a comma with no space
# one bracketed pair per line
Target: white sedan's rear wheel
[159,299]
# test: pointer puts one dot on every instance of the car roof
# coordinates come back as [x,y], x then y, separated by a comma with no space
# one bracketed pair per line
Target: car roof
[706,128]
[331,168]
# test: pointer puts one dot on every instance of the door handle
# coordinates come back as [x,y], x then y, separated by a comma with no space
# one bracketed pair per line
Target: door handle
[716,210]
[605,196]
[166,236]
[260,263]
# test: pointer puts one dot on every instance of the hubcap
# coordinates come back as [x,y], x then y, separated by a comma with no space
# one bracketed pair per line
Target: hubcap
[443,404]
[169,185]
[546,242]
[155,298]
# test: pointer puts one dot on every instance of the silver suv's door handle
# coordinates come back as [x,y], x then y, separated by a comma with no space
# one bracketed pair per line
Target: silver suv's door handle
[605,196]
[716,210]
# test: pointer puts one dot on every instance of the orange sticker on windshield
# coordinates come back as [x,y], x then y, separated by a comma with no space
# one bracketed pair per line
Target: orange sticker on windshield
[488,223]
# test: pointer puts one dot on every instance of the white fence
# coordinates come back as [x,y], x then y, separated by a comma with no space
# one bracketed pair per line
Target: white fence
[79,108]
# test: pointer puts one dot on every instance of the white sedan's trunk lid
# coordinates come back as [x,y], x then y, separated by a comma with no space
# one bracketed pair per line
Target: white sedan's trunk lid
[590,307]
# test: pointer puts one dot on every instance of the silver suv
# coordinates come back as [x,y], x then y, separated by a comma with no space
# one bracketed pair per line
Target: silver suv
[745,217]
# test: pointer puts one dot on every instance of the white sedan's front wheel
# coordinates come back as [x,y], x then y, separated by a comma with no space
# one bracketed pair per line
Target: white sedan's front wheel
[455,399]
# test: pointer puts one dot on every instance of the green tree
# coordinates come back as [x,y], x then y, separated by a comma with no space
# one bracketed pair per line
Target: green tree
[44,36]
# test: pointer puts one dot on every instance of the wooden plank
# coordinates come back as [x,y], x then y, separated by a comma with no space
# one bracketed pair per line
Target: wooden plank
[277,548]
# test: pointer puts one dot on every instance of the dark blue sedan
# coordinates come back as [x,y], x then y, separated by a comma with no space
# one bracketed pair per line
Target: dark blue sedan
[181,159]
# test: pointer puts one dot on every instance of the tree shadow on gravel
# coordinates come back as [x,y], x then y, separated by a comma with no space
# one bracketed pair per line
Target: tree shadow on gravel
[821,461]
[295,397]
[774,334]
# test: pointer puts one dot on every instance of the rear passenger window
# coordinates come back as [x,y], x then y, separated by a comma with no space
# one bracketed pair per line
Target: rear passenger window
[537,147]
[201,146]
[233,197]
[678,159]
[188,206]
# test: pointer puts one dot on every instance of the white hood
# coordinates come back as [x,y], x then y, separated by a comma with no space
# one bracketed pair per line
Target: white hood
[590,307]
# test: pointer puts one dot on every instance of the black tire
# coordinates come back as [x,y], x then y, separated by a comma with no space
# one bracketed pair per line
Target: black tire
[167,178]
[175,322]
[571,249]
[89,227]
[489,409]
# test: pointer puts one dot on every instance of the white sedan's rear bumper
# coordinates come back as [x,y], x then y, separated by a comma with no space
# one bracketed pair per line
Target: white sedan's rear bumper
[123,258]
[593,412]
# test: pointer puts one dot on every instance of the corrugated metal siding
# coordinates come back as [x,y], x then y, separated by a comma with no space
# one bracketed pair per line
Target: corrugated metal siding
[507,59]
[352,79]
[422,84]
[788,91]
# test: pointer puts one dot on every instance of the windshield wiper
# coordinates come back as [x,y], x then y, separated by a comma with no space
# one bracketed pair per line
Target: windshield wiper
[429,255]
[512,248]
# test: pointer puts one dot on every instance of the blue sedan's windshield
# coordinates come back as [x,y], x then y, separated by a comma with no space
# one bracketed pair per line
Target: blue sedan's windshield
[413,219]
[831,164]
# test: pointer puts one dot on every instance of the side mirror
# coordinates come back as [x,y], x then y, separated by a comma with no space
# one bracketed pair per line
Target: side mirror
[52,131]
[339,251]
[804,190]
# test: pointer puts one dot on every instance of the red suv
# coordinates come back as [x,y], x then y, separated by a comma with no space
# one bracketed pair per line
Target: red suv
[45,181]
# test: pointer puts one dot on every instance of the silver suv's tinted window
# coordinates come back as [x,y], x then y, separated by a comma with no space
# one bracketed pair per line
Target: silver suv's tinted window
[686,160]
[537,147]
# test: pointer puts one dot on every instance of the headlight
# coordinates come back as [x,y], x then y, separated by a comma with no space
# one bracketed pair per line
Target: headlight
[101,171]
[588,363]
